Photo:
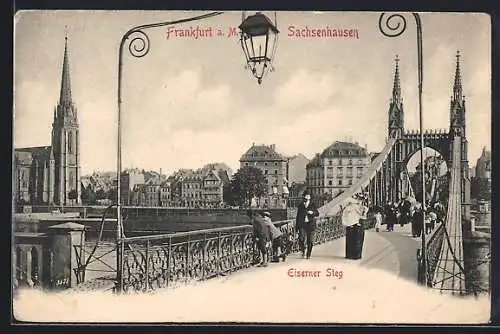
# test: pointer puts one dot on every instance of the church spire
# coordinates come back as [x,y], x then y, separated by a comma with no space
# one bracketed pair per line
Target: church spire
[396,89]
[457,86]
[396,113]
[65,96]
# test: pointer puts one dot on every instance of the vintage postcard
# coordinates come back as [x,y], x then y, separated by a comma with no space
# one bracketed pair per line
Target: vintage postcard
[251,167]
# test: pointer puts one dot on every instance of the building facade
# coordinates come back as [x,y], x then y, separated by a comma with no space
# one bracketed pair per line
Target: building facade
[192,186]
[483,165]
[128,182]
[204,188]
[274,167]
[201,188]
[336,169]
[147,194]
[153,193]
[296,169]
[51,174]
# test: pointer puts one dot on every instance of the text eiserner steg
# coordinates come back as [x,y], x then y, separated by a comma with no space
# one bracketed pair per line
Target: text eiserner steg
[328,272]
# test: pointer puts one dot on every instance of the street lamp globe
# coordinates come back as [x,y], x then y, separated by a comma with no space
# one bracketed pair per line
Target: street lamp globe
[258,37]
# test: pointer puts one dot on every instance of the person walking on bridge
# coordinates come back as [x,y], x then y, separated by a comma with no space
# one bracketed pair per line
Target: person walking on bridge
[391,216]
[353,216]
[417,221]
[378,220]
[305,224]
[262,236]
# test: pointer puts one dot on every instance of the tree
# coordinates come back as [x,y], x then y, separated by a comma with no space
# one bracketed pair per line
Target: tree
[246,183]
[100,194]
[88,196]
[227,194]
[73,195]
[480,188]
[112,194]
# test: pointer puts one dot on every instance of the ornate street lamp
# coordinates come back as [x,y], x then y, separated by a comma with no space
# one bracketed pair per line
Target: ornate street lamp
[138,46]
[259,39]
[393,26]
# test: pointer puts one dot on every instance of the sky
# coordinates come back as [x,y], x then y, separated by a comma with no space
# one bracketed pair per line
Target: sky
[191,101]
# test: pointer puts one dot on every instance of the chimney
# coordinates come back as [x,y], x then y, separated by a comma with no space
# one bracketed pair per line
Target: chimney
[273,147]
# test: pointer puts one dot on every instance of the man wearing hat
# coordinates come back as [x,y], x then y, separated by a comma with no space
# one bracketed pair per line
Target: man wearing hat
[276,238]
[305,224]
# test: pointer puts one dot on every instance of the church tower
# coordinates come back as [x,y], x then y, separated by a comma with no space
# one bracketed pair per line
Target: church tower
[65,142]
[457,105]
[396,114]
[457,128]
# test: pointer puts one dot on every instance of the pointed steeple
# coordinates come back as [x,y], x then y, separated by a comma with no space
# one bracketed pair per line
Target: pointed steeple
[65,96]
[457,86]
[396,113]
[396,89]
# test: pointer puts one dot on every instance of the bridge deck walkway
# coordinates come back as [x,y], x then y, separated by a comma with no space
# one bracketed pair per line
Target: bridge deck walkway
[379,288]
[393,252]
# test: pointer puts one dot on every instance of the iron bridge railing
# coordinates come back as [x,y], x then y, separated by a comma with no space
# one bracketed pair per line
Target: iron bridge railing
[159,261]
[433,245]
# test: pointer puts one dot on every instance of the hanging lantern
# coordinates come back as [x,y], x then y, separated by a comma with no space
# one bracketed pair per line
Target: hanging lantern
[259,37]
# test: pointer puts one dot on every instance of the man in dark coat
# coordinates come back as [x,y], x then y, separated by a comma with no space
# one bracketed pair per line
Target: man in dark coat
[417,221]
[261,235]
[404,210]
[305,224]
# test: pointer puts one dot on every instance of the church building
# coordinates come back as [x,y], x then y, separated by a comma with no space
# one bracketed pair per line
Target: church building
[50,175]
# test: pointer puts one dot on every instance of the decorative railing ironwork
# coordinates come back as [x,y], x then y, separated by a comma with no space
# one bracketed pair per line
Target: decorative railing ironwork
[433,248]
[159,261]
[448,273]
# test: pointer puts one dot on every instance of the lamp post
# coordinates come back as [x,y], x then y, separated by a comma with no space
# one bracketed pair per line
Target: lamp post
[138,47]
[259,40]
[394,25]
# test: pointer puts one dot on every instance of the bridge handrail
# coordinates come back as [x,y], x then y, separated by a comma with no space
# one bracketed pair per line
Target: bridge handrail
[200,232]
[334,206]
[157,261]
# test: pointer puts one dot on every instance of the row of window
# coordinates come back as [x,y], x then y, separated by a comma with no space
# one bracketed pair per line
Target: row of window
[340,162]
[257,162]
[153,197]
[275,182]
[339,182]
[340,172]
[346,152]
[24,182]
[199,186]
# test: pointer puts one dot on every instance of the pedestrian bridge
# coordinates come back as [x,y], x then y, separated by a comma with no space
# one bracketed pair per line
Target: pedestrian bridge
[394,252]
[152,262]
[148,263]
[328,288]
[391,265]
